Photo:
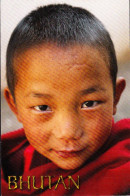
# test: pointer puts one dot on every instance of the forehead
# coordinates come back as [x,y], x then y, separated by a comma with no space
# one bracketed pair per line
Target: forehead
[55,64]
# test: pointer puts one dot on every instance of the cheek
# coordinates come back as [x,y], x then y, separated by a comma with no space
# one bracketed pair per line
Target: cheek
[39,139]
[98,126]
[100,130]
[37,129]
[37,133]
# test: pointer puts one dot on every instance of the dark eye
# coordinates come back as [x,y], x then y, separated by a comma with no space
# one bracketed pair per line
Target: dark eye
[42,108]
[88,104]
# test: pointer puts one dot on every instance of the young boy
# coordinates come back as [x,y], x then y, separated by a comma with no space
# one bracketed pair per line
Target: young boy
[62,86]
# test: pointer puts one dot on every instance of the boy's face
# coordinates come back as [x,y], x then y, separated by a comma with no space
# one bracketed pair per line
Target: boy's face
[64,99]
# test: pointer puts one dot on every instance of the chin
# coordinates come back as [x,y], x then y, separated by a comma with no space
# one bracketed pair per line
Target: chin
[68,166]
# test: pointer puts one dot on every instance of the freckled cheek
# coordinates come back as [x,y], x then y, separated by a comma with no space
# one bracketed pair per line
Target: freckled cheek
[36,129]
[97,126]
[39,130]
[38,137]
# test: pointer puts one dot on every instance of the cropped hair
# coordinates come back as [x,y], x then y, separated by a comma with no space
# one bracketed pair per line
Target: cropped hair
[63,25]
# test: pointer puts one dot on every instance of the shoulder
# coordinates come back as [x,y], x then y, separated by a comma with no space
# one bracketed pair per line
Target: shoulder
[121,125]
[12,141]
[13,134]
[120,132]
[117,149]
[13,147]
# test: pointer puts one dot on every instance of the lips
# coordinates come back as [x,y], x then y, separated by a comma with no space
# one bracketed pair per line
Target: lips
[68,153]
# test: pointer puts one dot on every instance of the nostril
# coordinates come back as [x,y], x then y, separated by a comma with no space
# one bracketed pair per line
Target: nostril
[78,134]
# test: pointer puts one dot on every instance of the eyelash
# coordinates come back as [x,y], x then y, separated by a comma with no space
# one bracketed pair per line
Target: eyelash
[91,104]
[46,108]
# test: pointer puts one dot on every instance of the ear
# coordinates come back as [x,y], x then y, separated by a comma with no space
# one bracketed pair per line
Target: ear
[120,86]
[10,100]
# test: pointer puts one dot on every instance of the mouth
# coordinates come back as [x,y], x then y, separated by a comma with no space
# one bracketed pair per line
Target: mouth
[68,153]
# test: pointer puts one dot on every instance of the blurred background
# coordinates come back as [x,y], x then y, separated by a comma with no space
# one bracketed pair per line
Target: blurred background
[113,14]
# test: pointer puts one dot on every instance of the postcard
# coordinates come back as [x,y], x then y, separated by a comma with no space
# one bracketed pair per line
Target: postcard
[65,98]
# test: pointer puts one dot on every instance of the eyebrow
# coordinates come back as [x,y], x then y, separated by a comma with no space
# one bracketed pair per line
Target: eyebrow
[83,92]
[92,90]
[39,95]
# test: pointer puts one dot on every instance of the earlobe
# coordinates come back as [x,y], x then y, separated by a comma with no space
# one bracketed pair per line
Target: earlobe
[10,100]
[120,86]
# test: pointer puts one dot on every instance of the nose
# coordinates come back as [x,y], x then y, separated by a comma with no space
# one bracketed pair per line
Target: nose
[68,127]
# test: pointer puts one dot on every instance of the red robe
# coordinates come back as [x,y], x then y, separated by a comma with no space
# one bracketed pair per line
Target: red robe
[107,172]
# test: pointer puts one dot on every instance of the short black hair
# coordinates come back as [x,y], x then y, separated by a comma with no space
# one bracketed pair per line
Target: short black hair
[61,24]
